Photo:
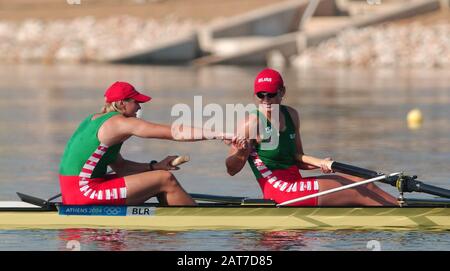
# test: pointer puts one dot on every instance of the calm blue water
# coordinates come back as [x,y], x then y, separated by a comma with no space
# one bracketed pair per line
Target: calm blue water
[354,116]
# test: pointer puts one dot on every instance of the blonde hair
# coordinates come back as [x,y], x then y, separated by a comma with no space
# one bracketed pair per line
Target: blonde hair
[113,107]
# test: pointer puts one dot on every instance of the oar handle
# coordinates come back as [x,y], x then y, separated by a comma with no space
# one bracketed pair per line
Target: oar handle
[180,160]
[353,170]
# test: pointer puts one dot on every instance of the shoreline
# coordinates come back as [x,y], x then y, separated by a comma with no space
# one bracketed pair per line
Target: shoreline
[201,10]
[44,37]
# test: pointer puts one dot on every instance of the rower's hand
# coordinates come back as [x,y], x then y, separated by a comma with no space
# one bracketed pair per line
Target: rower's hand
[239,143]
[165,164]
[325,165]
[226,137]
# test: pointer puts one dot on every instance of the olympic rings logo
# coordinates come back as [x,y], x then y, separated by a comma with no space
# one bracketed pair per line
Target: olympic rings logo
[112,210]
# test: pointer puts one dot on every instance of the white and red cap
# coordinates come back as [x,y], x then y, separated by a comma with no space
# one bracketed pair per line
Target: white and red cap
[268,80]
[122,90]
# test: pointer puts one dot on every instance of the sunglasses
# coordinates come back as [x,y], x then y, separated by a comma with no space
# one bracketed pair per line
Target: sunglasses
[261,95]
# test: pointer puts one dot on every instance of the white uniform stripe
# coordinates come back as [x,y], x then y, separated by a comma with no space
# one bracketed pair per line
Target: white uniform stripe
[275,185]
[273,179]
[84,188]
[85,175]
[261,167]
[316,185]
[123,193]
[99,152]
[267,173]
[100,194]
[87,166]
[93,195]
[93,159]
[290,188]
[83,183]
[294,188]
[107,194]
[87,193]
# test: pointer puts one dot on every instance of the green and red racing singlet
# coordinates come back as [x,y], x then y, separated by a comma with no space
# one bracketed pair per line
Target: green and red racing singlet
[276,169]
[83,167]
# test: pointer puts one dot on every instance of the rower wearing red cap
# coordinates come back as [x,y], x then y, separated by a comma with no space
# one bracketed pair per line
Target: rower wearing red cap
[96,144]
[277,168]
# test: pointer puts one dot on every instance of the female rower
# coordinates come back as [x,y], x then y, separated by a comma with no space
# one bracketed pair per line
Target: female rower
[96,144]
[277,169]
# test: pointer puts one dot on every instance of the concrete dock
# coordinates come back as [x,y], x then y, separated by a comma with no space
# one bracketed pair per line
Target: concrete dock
[315,30]
[282,29]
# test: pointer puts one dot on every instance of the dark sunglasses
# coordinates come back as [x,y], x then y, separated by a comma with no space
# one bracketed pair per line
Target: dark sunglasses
[261,95]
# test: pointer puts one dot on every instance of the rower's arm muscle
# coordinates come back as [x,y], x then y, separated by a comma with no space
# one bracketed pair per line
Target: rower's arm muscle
[125,167]
[237,158]
[145,129]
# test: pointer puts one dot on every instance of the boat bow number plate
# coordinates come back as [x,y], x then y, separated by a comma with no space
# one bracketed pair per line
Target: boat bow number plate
[106,210]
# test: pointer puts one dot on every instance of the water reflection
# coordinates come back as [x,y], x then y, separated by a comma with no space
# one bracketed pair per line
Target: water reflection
[292,240]
[283,240]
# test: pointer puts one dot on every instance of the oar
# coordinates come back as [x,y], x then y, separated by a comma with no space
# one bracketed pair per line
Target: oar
[231,199]
[218,199]
[38,201]
[403,184]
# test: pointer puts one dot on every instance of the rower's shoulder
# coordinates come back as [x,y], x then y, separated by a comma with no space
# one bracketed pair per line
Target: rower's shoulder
[290,109]
[293,113]
[117,120]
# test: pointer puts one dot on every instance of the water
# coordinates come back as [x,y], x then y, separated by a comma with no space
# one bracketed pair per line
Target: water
[119,240]
[354,116]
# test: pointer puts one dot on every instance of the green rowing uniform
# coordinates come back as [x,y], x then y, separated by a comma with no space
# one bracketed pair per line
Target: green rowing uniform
[283,156]
[85,153]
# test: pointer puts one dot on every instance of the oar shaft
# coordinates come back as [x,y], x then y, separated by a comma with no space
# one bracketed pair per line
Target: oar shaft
[417,186]
[406,184]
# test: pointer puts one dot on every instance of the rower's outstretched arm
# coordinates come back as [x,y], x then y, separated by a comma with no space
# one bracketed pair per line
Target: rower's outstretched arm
[145,129]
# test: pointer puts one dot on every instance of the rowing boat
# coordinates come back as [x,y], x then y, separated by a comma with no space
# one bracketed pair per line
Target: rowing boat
[226,213]
[226,216]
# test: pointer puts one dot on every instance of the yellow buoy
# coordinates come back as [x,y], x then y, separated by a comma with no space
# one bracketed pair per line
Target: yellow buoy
[415,119]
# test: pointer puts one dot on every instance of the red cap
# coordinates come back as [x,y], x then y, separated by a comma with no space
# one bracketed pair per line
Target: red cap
[123,90]
[268,80]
